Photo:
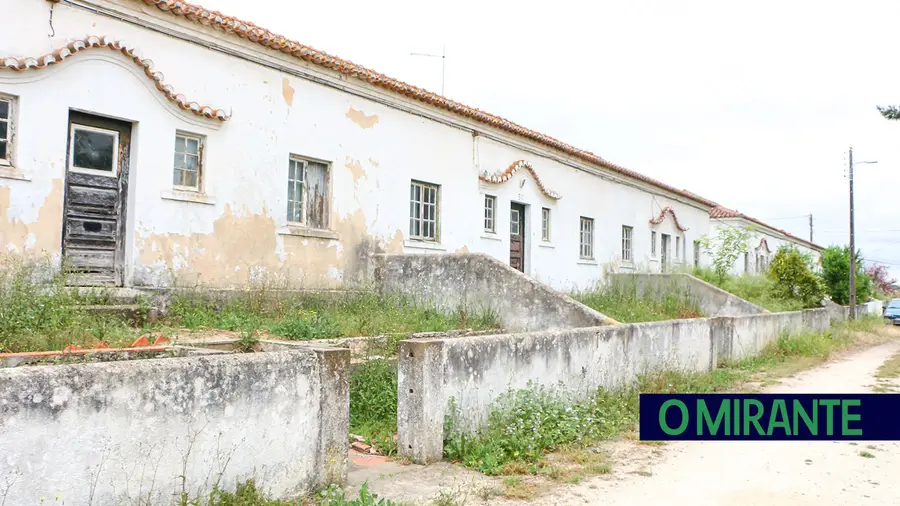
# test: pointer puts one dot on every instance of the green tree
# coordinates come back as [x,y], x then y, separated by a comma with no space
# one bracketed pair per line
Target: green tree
[836,275]
[793,277]
[725,248]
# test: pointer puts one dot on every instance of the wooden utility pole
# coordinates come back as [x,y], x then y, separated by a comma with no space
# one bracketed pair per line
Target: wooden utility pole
[810,229]
[852,248]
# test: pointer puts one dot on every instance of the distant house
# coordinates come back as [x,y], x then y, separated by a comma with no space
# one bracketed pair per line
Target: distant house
[206,149]
[764,243]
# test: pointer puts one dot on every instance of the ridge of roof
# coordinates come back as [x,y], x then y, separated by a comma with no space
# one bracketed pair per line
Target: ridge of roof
[722,212]
[266,38]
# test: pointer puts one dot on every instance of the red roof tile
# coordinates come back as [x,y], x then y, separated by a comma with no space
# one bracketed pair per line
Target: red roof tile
[263,37]
[58,56]
[720,212]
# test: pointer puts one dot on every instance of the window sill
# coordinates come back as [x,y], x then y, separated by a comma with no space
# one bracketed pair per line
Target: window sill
[301,231]
[413,244]
[491,236]
[188,196]
[546,245]
[10,172]
[587,261]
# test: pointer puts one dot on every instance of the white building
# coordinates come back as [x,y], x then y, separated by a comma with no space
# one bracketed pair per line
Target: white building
[207,149]
[764,242]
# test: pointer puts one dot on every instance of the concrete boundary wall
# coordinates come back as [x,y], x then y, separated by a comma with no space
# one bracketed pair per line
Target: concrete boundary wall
[476,282]
[710,299]
[474,372]
[126,432]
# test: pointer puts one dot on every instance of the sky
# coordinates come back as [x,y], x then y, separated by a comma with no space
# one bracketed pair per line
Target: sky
[753,105]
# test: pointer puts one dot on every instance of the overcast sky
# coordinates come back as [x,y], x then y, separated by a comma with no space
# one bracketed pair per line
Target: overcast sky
[753,106]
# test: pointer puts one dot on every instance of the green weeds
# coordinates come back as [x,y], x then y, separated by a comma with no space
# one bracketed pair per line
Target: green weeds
[623,303]
[373,403]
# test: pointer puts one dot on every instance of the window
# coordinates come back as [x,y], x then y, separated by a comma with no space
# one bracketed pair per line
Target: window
[490,207]
[746,262]
[515,222]
[678,247]
[423,202]
[93,150]
[545,224]
[587,238]
[653,243]
[6,127]
[626,244]
[696,253]
[308,202]
[188,158]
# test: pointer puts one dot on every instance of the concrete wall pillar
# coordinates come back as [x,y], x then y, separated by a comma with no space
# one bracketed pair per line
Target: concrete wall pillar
[420,401]
[721,336]
[334,381]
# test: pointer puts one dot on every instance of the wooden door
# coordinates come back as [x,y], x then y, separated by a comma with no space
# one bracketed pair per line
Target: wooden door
[95,202]
[664,253]
[517,236]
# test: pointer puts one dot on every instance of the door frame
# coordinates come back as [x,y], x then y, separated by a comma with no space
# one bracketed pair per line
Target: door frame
[125,132]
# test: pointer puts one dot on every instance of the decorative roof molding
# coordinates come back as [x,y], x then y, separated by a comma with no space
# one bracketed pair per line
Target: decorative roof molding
[506,175]
[266,38]
[90,42]
[662,215]
[764,245]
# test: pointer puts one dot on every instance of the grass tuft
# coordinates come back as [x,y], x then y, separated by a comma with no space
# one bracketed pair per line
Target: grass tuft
[622,302]
[373,403]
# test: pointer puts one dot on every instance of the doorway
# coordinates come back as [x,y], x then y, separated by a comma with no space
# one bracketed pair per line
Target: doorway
[517,236]
[664,253]
[95,200]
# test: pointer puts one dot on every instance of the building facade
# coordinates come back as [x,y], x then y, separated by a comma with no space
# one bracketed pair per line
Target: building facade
[208,150]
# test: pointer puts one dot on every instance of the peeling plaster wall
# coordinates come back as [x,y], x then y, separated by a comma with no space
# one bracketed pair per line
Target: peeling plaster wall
[236,230]
[126,432]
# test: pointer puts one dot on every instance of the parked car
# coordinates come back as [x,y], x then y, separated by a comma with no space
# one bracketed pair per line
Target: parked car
[892,311]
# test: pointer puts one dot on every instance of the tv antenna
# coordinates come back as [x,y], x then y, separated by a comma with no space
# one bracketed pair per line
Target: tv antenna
[443,57]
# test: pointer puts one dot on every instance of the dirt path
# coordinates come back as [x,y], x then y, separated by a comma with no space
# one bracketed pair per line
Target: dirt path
[756,473]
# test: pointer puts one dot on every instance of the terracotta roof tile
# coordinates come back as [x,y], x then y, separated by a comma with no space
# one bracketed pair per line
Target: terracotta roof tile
[721,212]
[91,42]
[264,37]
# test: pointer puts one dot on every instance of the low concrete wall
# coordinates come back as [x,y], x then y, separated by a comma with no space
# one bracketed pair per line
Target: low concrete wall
[710,299]
[475,371]
[478,282]
[144,431]
[752,333]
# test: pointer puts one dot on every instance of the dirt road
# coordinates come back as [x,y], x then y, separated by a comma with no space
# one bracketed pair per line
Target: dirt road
[756,473]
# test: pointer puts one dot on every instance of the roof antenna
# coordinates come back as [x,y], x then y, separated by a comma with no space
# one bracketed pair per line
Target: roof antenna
[443,57]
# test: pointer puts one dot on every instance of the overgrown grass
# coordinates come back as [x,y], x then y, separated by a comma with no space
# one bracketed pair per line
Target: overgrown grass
[525,425]
[311,316]
[622,302]
[248,494]
[38,312]
[755,289]
[373,403]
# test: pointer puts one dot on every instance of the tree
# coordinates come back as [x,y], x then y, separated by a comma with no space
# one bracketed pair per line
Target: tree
[889,112]
[836,276]
[791,272]
[881,279]
[725,248]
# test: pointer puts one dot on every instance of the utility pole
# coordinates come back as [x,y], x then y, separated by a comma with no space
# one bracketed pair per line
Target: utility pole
[443,57]
[852,247]
[810,229]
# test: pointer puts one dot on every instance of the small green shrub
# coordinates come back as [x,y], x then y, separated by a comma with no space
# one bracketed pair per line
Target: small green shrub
[793,278]
[373,403]
[621,302]
[306,325]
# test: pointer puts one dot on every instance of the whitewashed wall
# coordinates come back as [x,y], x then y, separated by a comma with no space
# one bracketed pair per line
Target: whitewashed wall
[236,230]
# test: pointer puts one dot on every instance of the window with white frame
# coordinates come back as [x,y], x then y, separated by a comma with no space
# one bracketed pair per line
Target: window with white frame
[423,211]
[678,247]
[696,253]
[308,201]
[93,150]
[545,224]
[6,130]
[587,238]
[653,243]
[188,161]
[490,210]
[627,255]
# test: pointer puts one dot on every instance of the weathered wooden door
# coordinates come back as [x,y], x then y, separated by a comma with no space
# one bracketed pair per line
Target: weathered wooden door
[664,253]
[517,236]
[95,202]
